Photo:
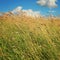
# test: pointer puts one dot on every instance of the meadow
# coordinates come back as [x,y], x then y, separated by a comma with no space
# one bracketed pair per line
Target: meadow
[25,38]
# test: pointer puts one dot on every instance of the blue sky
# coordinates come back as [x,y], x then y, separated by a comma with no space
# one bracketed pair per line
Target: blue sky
[8,5]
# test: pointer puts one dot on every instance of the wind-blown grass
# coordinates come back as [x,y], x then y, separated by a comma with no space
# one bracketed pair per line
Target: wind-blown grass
[29,39]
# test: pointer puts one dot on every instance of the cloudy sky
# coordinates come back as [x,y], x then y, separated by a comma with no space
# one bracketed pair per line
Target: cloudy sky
[43,6]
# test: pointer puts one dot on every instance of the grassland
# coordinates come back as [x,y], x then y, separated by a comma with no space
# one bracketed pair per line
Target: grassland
[29,39]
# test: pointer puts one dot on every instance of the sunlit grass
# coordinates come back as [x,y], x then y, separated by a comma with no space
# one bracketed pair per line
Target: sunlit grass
[29,39]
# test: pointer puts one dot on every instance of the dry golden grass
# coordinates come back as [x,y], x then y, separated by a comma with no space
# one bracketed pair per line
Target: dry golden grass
[27,38]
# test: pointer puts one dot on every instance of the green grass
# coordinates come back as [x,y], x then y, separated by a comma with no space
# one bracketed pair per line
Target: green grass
[29,40]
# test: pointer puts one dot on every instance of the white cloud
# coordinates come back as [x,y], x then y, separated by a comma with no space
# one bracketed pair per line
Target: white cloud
[18,9]
[42,2]
[28,12]
[32,13]
[48,3]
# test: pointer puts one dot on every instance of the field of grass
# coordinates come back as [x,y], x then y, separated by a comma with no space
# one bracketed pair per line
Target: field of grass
[29,39]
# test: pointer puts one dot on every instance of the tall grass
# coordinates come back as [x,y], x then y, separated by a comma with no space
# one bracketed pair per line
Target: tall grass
[29,39]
